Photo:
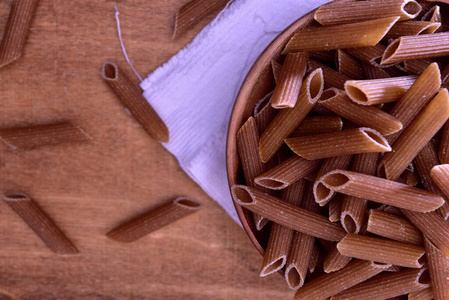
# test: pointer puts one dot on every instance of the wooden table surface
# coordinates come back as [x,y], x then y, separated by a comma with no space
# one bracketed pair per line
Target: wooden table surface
[88,188]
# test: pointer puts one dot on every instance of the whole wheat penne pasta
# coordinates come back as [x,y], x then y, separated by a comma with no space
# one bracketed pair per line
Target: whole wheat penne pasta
[416,47]
[350,12]
[433,226]
[334,261]
[322,193]
[443,150]
[30,137]
[331,77]
[300,255]
[329,284]
[361,34]
[318,124]
[313,263]
[433,15]
[415,136]
[353,209]
[16,30]
[287,120]
[388,285]
[193,12]
[348,65]
[393,227]
[345,142]
[290,80]
[281,238]
[376,91]
[426,159]
[417,97]
[426,294]
[154,219]
[368,116]
[263,103]
[381,190]
[335,208]
[264,113]
[370,55]
[416,66]
[252,166]
[373,72]
[283,213]
[326,57]
[411,28]
[286,173]
[277,67]
[382,250]
[38,220]
[131,97]
[440,175]
[439,270]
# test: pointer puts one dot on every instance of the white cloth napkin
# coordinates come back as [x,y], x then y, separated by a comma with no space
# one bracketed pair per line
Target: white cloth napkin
[194,91]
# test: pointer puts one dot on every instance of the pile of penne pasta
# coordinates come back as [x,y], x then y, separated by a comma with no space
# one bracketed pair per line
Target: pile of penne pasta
[348,157]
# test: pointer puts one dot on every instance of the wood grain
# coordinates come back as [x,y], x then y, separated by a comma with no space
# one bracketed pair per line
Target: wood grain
[91,187]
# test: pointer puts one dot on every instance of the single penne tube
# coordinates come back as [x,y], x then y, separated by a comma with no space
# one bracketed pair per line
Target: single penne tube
[313,263]
[335,261]
[30,137]
[325,57]
[323,194]
[131,97]
[288,119]
[370,55]
[417,97]
[264,113]
[411,28]
[277,67]
[349,12]
[360,34]
[290,80]
[318,124]
[348,65]
[345,142]
[427,159]
[281,238]
[443,150]
[38,220]
[381,190]
[377,91]
[252,166]
[154,219]
[393,227]
[286,173]
[16,30]
[416,47]
[283,213]
[335,208]
[426,294]
[368,116]
[433,226]
[331,77]
[373,72]
[329,284]
[382,250]
[388,285]
[416,66]
[439,183]
[433,15]
[353,209]
[193,12]
[439,270]
[415,136]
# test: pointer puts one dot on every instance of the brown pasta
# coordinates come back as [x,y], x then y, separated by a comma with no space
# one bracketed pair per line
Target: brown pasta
[354,11]
[131,97]
[393,227]
[335,208]
[348,65]
[443,150]
[329,284]
[388,285]
[416,66]
[382,250]
[331,77]
[288,215]
[345,142]
[326,57]
[264,113]
[154,219]
[369,116]
[411,28]
[318,124]
[286,173]
[426,294]
[30,137]
[414,137]
[381,190]
[290,80]
[287,120]
[16,30]
[38,220]
[377,91]
[361,34]
[277,67]
[193,12]
[334,261]
[439,270]
[370,55]
[373,72]
[416,47]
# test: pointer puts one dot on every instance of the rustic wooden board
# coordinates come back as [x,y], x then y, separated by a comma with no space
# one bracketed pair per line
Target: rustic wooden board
[89,188]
